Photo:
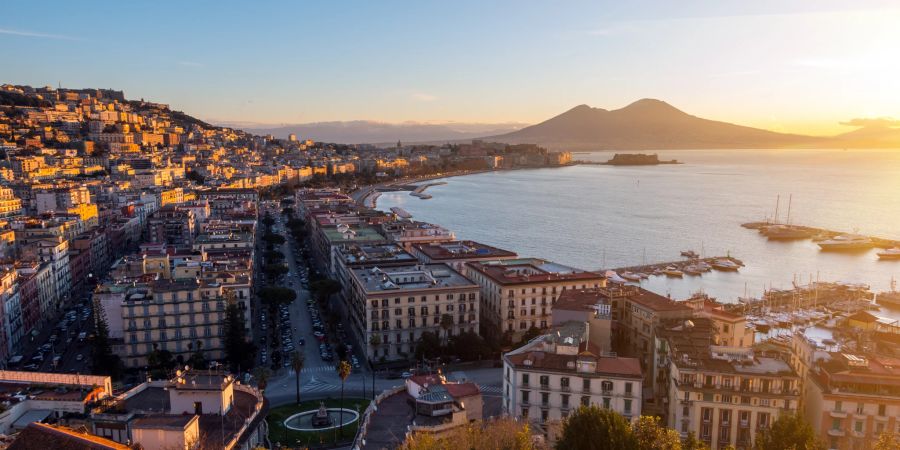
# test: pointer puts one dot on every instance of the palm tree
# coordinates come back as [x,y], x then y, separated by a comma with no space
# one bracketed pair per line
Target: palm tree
[262,378]
[297,360]
[376,342]
[343,371]
[446,325]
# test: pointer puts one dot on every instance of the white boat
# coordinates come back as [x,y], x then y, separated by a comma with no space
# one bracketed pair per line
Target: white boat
[847,242]
[630,276]
[673,271]
[726,265]
[703,267]
[692,270]
[891,253]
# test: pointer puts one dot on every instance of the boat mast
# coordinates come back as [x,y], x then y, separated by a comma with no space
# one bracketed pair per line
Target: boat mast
[777,204]
[790,198]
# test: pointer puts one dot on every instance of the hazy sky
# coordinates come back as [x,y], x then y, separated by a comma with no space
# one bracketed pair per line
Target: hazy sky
[800,66]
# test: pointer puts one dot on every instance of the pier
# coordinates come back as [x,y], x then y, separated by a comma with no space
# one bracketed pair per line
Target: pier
[680,264]
[823,233]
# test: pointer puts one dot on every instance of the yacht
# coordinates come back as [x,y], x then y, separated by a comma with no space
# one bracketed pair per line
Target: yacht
[847,242]
[630,276]
[786,232]
[892,253]
[673,271]
[690,254]
[692,270]
[889,299]
[725,265]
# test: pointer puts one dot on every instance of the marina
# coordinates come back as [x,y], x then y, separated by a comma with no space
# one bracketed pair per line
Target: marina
[833,240]
[694,266]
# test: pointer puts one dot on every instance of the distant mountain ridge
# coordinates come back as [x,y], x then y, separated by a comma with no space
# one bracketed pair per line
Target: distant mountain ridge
[364,131]
[645,124]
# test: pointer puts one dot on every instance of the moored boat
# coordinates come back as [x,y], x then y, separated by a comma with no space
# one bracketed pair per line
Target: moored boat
[890,254]
[847,242]
[673,271]
[692,270]
[786,232]
[726,265]
[690,254]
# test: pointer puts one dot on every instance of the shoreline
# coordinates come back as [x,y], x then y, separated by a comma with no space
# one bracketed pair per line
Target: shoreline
[368,195]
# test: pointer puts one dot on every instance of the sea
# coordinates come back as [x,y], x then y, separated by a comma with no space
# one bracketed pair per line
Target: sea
[601,217]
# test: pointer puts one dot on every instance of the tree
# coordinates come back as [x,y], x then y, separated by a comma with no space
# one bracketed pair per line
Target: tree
[103,360]
[324,288]
[273,255]
[887,441]
[343,370]
[297,361]
[650,435]
[195,177]
[262,377]
[274,295]
[273,239]
[240,353]
[446,325]
[692,443]
[268,221]
[504,434]
[589,425]
[275,270]
[160,362]
[288,211]
[197,359]
[429,345]
[530,334]
[790,431]
[469,346]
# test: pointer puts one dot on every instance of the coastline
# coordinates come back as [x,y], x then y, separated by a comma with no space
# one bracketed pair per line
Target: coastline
[368,195]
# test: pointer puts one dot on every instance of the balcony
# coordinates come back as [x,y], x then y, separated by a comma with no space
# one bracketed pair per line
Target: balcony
[606,393]
[545,387]
[836,432]
[744,423]
[586,390]
[565,388]
[838,414]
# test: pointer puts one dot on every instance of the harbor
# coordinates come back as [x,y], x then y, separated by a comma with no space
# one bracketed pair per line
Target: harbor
[834,240]
[692,265]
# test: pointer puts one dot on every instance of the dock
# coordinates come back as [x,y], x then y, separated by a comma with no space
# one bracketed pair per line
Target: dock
[679,264]
[823,233]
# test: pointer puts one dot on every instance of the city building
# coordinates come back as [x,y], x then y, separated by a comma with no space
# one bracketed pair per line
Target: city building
[518,294]
[546,379]
[396,304]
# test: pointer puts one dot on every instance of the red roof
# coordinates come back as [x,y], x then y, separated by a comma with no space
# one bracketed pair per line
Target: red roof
[461,390]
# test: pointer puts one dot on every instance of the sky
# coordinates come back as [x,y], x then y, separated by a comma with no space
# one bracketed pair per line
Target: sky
[791,66]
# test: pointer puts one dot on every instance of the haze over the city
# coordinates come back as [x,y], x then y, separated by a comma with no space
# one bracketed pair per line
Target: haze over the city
[798,67]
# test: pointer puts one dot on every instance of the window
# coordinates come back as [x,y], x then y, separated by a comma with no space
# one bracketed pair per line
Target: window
[606,386]
[525,395]
[628,389]
[585,400]
[525,378]
[882,410]
[586,384]
[544,415]
[860,408]
[545,399]
[564,383]
[838,405]
[606,402]
[627,408]
[565,400]
[545,381]
[835,424]
[706,414]
[858,426]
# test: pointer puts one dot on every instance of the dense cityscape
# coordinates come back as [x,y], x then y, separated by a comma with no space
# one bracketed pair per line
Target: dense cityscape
[506,225]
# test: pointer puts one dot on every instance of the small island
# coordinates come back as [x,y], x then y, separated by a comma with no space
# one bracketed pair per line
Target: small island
[637,159]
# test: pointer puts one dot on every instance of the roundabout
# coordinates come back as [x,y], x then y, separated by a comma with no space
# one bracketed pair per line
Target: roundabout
[307,420]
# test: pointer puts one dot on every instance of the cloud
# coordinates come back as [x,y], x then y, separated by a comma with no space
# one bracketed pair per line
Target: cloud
[190,64]
[38,35]
[872,122]
[423,97]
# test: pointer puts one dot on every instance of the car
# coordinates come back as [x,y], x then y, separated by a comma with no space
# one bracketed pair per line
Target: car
[31,367]
[406,374]
[302,341]
[79,357]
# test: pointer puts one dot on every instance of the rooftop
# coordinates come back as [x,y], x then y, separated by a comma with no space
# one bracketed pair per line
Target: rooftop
[448,251]
[345,233]
[531,271]
[410,277]
[357,253]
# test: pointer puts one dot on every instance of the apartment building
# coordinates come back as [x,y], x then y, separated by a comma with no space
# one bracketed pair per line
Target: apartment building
[397,304]
[518,294]
[409,232]
[850,399]
[725,395]
[10,205]
[175,315]
[549,377]
[173,226]
[457,254]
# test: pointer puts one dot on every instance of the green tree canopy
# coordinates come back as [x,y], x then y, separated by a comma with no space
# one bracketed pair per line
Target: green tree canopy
[277,295]
[273,239]
[788,432]
[240,353]
[590,425]
[650,435]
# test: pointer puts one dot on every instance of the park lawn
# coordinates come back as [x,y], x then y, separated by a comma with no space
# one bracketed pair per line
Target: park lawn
[279,434]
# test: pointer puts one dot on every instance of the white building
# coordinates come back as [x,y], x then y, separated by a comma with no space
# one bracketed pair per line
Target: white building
[546,379]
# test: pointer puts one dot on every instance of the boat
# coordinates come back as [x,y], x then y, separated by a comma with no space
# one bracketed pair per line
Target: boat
[726,265]
[847,242]
[690,254]
[630,276]
[673,271]
[703,266]
[692,270]
[891,253]
[889,299]
[643,275]
[786,232]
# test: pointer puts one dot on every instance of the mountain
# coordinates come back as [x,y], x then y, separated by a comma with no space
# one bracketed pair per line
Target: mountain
[645,124]
[871,136]
[364,131]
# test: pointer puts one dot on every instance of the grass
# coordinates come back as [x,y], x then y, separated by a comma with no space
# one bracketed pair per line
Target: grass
[326,438]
